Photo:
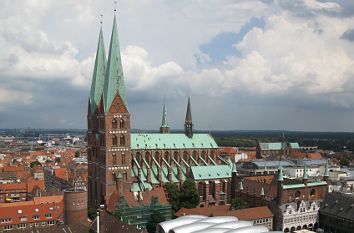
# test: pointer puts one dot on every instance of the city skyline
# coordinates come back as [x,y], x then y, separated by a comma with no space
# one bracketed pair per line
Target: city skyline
[239,58]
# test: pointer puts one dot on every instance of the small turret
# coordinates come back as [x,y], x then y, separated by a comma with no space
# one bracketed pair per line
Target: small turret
[280,184]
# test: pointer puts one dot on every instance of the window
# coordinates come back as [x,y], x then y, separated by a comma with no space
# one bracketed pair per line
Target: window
[51,223]
[123,158]
[125,177]
[114,140]
[19,211]
[4,220]
[23,218]
[114,158]
[121,123]
[114,124]
[50,215]
[122,140]
[8,227]
[21,226]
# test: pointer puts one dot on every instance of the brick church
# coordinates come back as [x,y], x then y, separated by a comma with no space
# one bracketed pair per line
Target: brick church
[134,166]
[122,161]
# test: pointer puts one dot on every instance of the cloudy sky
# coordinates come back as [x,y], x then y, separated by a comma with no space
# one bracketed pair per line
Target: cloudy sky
[247,64]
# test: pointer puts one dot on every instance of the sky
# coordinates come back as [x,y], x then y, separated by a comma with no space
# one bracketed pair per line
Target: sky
[247,64]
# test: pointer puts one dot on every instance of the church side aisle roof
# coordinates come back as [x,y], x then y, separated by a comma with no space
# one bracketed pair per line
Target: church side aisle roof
[171,141]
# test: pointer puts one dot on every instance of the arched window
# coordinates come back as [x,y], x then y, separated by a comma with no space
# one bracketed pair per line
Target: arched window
[114,124]
[123,158]
[122,140]
[125,177]
[114,140]
[121,123]
[114,158]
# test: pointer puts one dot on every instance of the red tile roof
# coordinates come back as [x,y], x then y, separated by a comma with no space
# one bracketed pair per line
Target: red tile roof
[244,214]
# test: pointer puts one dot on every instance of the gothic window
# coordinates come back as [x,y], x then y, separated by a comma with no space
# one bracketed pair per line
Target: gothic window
[166,156]
[114,140]
[122,140]
[175,156]
[121,123]
[147,157]
[157,156]
[114,124]
[123,158]
[114,158]
[125,177]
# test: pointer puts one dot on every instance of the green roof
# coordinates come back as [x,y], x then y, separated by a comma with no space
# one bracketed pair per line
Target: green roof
[171,141]
[211,172]
[272,145]
[98,74]
[114,79]
[311,184]
[294,145]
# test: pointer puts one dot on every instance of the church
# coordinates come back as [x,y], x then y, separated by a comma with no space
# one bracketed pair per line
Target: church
[124,162]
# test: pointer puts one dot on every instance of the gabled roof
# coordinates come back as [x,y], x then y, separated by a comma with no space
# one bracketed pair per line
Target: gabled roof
[272,145]
[171,141]
[114,79]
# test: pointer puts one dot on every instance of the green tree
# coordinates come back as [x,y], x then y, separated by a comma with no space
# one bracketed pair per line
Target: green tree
[173,195]
[91,213]
[35,163]
[57,160]
[344,161]
[188,197]
[238,204]
[155,218]
[77,154]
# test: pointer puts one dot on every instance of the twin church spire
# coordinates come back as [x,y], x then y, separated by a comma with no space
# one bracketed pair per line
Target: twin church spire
[108,79]
[108,82]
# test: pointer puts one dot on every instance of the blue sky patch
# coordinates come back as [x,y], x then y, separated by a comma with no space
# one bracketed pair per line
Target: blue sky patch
[221,46]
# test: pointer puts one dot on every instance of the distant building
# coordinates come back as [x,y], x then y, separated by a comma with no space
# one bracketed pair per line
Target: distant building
[274,150]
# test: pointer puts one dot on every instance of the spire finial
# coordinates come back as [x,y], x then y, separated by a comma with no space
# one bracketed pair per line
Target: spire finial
[115,6]
[101,19]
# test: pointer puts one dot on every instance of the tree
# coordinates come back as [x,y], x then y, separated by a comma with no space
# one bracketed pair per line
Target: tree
[189,197]
[91,213]
[77,154]
[173,195]
[155,218]
[238,204]
[35,163]
[344,161]
[57,160]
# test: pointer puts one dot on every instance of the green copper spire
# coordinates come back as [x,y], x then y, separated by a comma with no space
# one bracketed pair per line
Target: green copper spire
[326,172]
[98,74]
[280,172]
[305,177]
[114,79]
[164,114]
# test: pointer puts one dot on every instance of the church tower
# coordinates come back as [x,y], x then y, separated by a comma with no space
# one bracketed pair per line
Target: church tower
[164,126]
[109,128]
[188,124]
